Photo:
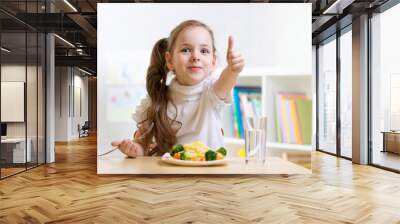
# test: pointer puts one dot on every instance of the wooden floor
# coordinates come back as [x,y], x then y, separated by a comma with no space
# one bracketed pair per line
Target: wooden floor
[10,171]
[386,159]
[70,191]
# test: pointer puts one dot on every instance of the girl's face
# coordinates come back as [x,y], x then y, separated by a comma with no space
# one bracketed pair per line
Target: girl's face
[192,58]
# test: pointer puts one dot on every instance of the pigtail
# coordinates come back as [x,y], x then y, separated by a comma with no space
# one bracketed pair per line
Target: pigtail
[158,126]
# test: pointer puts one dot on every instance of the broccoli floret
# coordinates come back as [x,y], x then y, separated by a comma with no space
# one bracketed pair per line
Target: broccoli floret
[176,148]
[222,150]
[185,156]
[211,155]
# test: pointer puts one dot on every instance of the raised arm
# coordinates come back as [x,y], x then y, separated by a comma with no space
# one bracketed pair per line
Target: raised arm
[228,77]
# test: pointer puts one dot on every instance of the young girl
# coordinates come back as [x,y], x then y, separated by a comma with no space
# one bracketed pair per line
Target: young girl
[183,103]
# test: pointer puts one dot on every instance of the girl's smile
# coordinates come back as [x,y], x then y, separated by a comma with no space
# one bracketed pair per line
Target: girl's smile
[194,69]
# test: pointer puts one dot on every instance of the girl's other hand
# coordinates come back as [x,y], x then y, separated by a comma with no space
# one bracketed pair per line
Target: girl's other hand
[234,58]
[129,147]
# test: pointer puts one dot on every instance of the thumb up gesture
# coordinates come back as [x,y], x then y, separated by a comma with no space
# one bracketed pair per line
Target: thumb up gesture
[233,58]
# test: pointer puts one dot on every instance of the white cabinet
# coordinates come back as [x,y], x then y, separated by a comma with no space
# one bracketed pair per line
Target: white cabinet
[17,147]
[270,86]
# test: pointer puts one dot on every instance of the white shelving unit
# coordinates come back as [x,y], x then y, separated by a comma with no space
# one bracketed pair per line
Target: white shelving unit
[270,85]
[239,143]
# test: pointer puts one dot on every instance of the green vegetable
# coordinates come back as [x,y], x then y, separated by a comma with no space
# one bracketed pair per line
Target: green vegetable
[222,150]
[211,155]
[185,156]
[176,148]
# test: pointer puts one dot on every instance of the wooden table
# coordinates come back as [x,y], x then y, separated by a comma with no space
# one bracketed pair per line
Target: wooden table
[112,164]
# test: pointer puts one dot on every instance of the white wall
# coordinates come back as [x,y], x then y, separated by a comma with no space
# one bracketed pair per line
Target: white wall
[80,83]
[33,127]
[14,73]
[61,103]
[275,39]
[17,73]
[68,81]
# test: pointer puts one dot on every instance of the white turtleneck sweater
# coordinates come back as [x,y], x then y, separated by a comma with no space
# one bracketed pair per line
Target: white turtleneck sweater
[198,109]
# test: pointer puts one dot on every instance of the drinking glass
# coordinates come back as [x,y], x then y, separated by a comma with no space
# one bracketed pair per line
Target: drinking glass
[255,145]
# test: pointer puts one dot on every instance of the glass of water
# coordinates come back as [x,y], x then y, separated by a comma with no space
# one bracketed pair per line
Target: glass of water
[261,123]
[255,145]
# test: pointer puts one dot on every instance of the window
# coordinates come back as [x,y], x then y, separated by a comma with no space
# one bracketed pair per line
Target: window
[346,93]
[327,96]
[385,88]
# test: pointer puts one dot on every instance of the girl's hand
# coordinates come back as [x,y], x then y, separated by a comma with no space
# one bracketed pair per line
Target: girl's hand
[129,147]
[233,58]
[229,75]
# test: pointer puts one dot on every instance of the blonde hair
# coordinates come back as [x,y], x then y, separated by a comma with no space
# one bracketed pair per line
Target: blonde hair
[162,132]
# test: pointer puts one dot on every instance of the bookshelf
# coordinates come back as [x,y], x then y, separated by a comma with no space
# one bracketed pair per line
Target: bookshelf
[239,142]
[270,86]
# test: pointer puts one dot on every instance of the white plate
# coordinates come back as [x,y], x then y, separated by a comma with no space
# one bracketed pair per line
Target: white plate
[168,159]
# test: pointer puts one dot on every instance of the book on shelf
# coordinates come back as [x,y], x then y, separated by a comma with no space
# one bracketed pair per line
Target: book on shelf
[293,118]
[246,106]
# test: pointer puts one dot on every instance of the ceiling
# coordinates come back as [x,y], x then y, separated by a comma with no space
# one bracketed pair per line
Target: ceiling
[76,22]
